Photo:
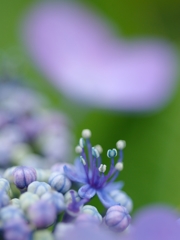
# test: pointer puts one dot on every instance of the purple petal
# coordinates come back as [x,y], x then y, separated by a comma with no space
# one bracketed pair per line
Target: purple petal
[114,186]
[73,176]
[156,223]
[105,198]
[76,52]
[79,167]
[86,191]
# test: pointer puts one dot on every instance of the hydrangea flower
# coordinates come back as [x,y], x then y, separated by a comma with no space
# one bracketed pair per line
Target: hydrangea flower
[76,51]
[30,134]
[155,222]
[90,171]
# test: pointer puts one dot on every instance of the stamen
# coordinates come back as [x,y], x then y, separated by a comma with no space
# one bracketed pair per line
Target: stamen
[95,152]
[99,148]
[121,144]
[102,168]
[82,143]
[85,165]
[83,160]
[119,166]
[75,205]
[78,149]
[86,133]
[112,153]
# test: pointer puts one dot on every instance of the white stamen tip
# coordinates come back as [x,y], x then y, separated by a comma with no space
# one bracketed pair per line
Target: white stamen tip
[86,133]
[82,143]
[119,166]
[78,149]
[99,148]
[121,144]
[83,161]
[102,168]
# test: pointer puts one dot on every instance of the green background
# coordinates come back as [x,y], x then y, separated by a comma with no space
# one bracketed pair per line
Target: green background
[152,156]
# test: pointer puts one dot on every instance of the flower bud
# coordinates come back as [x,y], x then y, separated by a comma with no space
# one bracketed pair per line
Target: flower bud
[23,176]
[57,199]
[41,214]
[59,182]
[39,188]
[117,218]
[27,199]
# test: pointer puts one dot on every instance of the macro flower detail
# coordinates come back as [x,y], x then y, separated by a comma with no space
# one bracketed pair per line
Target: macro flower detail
[90,172]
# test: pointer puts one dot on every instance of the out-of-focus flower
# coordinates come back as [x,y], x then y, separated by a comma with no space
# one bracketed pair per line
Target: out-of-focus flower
[16,229]
[80,55]
[156,222]
[30,134]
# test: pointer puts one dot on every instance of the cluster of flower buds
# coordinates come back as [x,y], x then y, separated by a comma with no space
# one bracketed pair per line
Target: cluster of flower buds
[46,204]
[30,134]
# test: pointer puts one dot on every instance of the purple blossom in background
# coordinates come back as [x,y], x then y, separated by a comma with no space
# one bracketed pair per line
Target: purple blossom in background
[79,54]
[155,223]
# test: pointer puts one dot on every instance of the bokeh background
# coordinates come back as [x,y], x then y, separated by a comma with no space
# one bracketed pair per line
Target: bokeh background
[152,156]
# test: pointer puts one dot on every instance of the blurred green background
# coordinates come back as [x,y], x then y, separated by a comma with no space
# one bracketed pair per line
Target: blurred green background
[152,156]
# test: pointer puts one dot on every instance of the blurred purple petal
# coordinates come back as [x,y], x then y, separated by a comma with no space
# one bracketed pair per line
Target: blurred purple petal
[105,198]
[156,223]
[78,53]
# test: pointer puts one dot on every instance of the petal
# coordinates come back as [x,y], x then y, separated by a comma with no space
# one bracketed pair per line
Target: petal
[73,176]
[75,50]
[79,167]
[86,191]
[114,186]
[105,198]
[156,222]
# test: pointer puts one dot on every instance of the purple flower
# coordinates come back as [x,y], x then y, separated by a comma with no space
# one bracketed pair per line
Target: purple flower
[155,223]
[80,55]
[90,171]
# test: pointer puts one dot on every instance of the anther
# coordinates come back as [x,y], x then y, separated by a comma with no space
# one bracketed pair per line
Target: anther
[83,160]
[86,133]
[102,168]
[119,166]
[99,148]
[78,149]
[112,153]
[121,144]
[82,143]
[95,152]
